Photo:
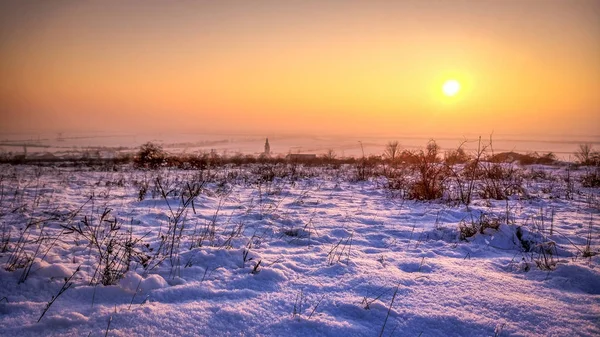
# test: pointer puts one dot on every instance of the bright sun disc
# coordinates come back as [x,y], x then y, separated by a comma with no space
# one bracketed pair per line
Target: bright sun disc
[451,87]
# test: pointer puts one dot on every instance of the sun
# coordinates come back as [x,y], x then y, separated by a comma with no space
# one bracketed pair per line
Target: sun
[451,88]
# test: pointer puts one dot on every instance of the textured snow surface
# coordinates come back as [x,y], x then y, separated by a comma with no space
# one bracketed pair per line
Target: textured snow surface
[337,258]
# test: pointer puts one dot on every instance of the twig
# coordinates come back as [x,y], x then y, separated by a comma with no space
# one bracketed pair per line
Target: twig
[109,321]
[316,306]
[64,288]
[388,312]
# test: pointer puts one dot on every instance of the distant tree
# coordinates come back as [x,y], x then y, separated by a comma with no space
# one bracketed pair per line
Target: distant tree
[150,156]
[392,150]
[330,154]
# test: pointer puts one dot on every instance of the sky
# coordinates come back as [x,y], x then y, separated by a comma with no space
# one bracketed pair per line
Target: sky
[312,67]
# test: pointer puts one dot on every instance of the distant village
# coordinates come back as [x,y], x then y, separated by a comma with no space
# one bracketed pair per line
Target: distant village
[38,150]
[290,156]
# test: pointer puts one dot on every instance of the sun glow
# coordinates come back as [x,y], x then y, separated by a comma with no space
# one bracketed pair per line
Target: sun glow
[451,88]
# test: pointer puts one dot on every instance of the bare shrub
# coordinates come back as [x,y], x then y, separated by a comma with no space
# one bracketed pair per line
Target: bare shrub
[398,180]
[365,168]
[587,249]
[171,239]
[467,229]
[545,259]
[477,225]
[458,156]
[116,249]
[591,178]
[586,155]
[430,174]
[464,175]
[500,181]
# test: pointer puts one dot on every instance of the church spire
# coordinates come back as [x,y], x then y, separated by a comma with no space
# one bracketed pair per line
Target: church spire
[267,147]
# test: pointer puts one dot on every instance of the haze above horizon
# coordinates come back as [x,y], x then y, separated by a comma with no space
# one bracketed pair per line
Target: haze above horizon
[310,67]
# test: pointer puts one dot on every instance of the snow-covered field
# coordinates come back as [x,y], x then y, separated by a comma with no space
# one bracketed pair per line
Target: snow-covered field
[87,252]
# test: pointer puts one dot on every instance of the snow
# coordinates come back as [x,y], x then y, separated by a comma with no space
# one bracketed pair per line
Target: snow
[323,255]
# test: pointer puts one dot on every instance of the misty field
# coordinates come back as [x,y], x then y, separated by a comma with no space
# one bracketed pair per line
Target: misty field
[414,247]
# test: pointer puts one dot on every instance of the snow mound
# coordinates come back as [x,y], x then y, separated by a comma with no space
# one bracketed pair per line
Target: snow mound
[153,282]
[56,270]
[130,281]
[133,282]
[576,278]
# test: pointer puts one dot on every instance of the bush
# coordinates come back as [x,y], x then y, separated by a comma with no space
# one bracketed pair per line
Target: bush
[365,167]
[431,174]
[591,178]
[500,181]
[586,155]
[458,156]
[479,225]
[523,159]
[150,156]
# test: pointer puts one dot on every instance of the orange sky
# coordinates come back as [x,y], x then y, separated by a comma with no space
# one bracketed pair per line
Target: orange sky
[340,67]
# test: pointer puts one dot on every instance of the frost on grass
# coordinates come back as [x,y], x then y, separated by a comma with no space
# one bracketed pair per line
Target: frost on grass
[271,250]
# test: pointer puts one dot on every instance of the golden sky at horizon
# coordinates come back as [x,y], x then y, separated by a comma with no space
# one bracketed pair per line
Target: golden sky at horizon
[338,67]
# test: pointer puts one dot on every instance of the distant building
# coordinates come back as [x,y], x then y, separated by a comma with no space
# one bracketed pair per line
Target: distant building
[267,148]
[301,156]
